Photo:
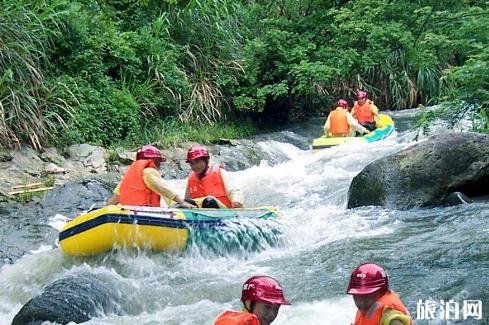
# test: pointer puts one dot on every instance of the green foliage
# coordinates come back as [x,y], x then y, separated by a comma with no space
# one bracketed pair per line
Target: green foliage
[30,111]
[172,132]
[121,71]
[468,96]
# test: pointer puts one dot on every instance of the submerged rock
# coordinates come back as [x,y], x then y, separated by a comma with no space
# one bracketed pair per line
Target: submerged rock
[73,299]
[426,174]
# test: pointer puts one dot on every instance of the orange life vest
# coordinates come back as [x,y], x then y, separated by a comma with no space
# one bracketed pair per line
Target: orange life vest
[373,316]
[338,122]
[230,317]
[363,113]
[209,185]
[133,190]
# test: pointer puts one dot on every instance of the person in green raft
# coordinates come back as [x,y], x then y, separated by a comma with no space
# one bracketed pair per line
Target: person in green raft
[341,123]
[365,111]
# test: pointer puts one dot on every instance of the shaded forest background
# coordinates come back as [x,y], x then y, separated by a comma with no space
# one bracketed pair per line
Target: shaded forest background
[130,72]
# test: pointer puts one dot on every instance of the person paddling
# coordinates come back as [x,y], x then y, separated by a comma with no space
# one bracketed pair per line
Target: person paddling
[209,185]
[143,185]
[365,111]
[341,123]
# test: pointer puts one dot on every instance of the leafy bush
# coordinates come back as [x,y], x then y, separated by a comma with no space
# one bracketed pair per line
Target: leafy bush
[113,70]
[30,111]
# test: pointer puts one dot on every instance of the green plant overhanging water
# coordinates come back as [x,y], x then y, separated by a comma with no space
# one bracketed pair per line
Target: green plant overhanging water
[120,71]
[29,110]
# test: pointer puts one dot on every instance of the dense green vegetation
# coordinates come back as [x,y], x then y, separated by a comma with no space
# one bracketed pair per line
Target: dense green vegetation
[165,71]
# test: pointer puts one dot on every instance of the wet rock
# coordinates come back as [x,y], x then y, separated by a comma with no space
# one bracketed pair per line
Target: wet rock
[125,157]
[52,155]
[178,154]
[73,299]
[26,159]
[425,174]
[92,157]
[458,198]
[12,174]
[222,141]
[244,154]
[5,156]
[79,195]
[74,166]
[22,231]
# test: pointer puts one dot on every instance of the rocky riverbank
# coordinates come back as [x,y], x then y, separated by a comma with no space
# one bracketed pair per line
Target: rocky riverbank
[26,170]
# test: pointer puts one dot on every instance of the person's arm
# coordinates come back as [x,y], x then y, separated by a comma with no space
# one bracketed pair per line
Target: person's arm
[353,123]
[375,111]
[114,199]
[390,316]
[155,183]
[187,192]
[232,190]
[353,113]
[327,125]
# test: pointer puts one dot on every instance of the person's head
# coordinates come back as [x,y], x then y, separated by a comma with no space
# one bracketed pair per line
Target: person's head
[150,153]
[368,282]
[198,158]
[362,97]
[262,296]
[342,103]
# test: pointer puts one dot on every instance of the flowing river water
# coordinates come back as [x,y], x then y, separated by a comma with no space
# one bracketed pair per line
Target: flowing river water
[439,253]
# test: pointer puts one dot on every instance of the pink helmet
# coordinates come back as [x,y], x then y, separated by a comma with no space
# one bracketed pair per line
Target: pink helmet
[367,278]
[149,152]
[264,289]
[196,153]
[342,103]
[362,94]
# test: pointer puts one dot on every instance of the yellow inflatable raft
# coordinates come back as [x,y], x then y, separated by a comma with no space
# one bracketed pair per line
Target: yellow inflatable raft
[165,229]
[386,128]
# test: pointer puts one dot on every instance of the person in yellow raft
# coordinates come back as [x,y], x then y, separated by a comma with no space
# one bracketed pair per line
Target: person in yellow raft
[377,305]
[209,185]
[262,297]
[365,111]
[341,123]
[143,185]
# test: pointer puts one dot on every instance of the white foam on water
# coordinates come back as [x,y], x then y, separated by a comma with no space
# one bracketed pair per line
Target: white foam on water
[58,221]
[193,288]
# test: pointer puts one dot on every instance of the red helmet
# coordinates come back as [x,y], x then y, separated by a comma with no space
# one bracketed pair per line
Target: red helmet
[367,278]
[149,152]
[362,94]
[196,153]
[264,289]
[342,103]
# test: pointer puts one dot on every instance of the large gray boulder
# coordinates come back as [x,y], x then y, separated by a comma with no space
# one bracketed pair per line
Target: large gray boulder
[426,174]
[71,300]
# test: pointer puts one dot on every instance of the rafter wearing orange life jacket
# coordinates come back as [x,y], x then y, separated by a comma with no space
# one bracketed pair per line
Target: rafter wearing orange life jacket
[363,113]
[338,122]
[211,184]
[230,317]
[389,306]
[133,190]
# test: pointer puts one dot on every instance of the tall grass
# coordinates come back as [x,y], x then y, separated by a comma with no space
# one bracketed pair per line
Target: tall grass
[210,31]
[29,109]
[397,84]
[173,132]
